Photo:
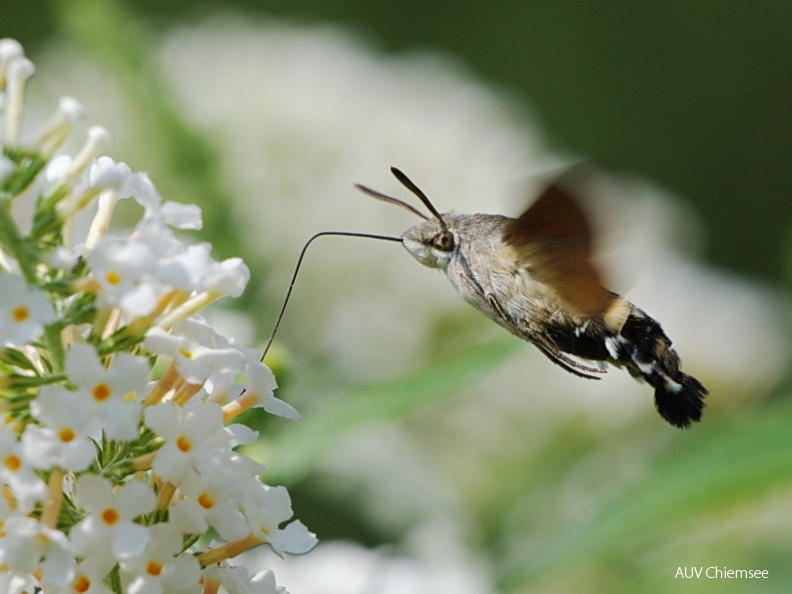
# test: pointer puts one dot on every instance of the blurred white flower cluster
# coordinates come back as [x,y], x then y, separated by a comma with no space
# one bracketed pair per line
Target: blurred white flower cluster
[116,474]
[349,568]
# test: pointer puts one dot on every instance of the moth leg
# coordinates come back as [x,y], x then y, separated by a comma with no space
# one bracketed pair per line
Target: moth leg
[545,346]
[571,365]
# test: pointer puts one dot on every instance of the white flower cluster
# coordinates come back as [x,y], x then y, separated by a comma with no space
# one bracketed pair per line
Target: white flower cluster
[114,478]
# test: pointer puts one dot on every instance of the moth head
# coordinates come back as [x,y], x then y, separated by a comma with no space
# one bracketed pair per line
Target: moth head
[432,242]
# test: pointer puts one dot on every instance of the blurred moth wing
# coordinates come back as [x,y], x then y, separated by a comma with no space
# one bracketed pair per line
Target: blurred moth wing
[554,240]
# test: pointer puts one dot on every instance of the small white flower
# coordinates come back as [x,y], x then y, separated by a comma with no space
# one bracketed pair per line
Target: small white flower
[124,270]
[196,348]
[57,170]
[266,509]
[181,216]
[192,268]
[264,583]
[191,436]
[17,473]
[109,175]
[144,192]
[232,470]
[24,311]
[26,545]
[256,392]
[236,580]
[160,568]
[89,576]
[9,49]
[66,259]
[113,393]
[185,269]
[159,220]
[54,132]
[71,110]
[110,521]
[155,233]
[97,140]
[18,69]
[229,277]
[260,385]
[64,440]
[206,503]
[13,583]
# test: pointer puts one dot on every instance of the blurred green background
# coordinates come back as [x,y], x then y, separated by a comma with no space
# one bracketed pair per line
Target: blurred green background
[435,459]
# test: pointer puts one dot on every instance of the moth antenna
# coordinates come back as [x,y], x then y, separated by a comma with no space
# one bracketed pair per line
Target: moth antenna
[408,183]
[390,200]
[297,269]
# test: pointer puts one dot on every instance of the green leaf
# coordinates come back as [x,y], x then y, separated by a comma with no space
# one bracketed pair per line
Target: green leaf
[28,167]
[16,359]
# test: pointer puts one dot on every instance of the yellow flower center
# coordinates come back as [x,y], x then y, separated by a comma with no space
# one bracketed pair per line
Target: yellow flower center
[113,278]
[101,392]
[12,462]
[20,313]
[153,568]
[81,584]
[110,516]
[66,435]
[43,539]
[205,501]
[184,444]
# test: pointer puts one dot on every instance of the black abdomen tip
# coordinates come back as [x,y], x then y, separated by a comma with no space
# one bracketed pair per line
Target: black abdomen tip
[684,406]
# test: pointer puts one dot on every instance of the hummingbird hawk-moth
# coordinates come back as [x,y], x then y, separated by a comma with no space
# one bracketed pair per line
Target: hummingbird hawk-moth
[535,276]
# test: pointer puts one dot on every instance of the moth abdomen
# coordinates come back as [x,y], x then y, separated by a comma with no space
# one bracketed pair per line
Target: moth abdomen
[647,353]
[684,406]
[587,340]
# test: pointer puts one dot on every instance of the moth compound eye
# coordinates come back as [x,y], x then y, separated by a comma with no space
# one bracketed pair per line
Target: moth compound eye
[443,241]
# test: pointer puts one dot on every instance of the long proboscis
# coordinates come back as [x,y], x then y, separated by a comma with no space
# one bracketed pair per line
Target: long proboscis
[297,269]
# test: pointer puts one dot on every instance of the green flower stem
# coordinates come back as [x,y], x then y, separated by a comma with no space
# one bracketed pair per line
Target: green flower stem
[12,241]
[29,165]
[34,381]
[52,336]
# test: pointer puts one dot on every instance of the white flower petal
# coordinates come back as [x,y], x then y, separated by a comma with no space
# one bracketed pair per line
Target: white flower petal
[130,542]
[294,539]
[182,216]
